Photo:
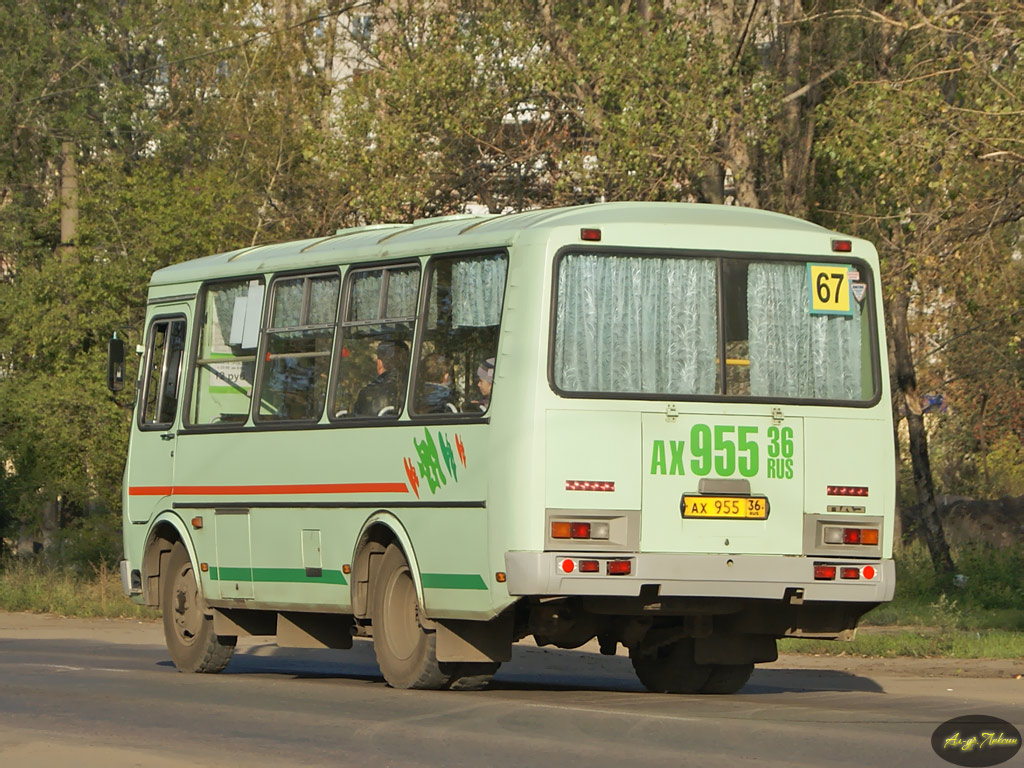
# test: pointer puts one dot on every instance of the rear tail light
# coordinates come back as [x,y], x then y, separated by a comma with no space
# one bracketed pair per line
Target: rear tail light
[834,534]
[824,572]
[611,567]
[620,567]
[849,573]
[580,529]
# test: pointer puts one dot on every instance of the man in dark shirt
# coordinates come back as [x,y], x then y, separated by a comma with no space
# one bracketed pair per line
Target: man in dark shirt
[384,395]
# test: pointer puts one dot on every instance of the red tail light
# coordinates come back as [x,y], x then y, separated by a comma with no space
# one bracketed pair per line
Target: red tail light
[619,567]
[579,530]
[824,572]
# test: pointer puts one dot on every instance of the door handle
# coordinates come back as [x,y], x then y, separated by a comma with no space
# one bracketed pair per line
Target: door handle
[167,436]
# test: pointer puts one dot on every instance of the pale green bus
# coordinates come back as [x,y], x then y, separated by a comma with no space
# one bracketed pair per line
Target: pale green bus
[660,425]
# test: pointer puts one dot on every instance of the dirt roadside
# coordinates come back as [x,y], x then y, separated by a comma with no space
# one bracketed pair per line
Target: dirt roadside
[135,632]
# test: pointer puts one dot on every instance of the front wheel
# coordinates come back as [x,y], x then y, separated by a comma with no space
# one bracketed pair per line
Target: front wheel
[188,631]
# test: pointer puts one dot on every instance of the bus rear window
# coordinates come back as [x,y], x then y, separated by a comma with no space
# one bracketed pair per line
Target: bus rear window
[691,326]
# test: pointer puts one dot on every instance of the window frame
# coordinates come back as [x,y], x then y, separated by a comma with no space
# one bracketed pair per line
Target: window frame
[200,309]
[344,304]
[154,426]
[263,346]
[870,310]
[414,372]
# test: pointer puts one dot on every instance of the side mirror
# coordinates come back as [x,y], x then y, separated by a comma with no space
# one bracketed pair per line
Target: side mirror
[115,364]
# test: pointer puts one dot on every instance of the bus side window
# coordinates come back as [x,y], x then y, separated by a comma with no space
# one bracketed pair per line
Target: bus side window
[298,342]
[376,334]
[225,365]
[455,361]
[166,348]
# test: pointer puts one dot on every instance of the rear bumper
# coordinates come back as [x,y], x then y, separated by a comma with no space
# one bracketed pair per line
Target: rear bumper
[769,577]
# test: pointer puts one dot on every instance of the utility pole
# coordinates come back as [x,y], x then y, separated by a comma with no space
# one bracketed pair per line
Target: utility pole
[68,197]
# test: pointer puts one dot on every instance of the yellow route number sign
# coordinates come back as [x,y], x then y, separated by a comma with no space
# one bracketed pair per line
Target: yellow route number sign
[830,289]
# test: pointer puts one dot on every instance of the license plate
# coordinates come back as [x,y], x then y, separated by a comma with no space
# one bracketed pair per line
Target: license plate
[726,507]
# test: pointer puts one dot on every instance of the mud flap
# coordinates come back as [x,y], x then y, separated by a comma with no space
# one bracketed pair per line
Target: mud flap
[478,641]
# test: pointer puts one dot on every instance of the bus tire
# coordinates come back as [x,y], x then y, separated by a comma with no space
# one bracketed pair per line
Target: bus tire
[188,631]
[671,669]
[471,675]
[406,653]
[727,678]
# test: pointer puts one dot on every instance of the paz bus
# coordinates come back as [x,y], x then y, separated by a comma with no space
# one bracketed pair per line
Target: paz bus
[662,426]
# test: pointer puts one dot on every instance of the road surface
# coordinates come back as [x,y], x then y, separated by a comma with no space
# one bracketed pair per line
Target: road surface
[104,693]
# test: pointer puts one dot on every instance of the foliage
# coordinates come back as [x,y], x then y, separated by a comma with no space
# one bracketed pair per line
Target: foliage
[987,593]
[200,127]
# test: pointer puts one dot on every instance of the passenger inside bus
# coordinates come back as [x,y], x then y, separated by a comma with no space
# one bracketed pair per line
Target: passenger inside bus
[437,391]
[383,396]
[484,382]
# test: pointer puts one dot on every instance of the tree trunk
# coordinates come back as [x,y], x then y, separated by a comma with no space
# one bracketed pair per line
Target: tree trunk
[927,512]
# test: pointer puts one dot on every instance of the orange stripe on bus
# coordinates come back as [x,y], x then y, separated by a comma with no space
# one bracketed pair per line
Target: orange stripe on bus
[275,490]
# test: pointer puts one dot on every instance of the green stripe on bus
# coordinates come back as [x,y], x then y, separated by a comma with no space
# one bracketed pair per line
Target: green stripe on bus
[276,575]
[452,581]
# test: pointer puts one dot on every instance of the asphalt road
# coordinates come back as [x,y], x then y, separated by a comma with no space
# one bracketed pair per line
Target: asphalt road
[104,693]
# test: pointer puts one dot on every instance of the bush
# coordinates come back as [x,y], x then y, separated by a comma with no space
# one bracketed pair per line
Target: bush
[89,542]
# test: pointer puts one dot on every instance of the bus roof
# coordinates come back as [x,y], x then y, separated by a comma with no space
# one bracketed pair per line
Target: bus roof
[467,232]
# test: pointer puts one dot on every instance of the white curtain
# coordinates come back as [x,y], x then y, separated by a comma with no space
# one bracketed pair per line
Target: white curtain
[478,287]
[792,352]
[636,324]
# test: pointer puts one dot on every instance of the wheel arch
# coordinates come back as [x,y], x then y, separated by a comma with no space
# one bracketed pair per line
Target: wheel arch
[166,530]
[379,530]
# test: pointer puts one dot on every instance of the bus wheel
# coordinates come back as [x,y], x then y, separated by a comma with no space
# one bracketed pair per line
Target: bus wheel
[187,629]
[471,675]
[727,678]
[671,669]
[406,653]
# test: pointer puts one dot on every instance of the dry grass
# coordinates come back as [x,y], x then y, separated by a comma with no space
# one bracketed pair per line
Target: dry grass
[31,586]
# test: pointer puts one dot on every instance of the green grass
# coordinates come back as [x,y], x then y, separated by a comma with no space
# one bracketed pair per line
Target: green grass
[40,588]
[921,643]
[980,614]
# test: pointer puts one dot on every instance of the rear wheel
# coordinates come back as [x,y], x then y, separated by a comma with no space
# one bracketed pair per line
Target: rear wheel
[188,631]
[471,675]
[406,652]
[671,669]
[727,678]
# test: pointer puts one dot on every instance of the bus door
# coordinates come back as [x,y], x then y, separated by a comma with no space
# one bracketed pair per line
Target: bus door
[723,483]
[150,468]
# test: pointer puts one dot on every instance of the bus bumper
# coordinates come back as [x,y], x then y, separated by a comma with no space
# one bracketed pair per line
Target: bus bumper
[769,577]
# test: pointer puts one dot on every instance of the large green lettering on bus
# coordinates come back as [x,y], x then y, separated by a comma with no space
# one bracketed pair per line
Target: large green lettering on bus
[726,450]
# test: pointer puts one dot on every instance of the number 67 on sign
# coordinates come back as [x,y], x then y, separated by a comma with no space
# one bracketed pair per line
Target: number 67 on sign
[830,289]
